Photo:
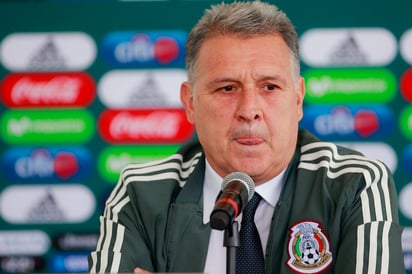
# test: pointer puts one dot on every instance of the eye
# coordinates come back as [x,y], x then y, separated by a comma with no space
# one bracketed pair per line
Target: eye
[226,89]
[271,87]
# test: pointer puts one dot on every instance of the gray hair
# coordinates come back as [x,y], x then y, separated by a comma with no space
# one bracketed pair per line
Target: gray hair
[242,19]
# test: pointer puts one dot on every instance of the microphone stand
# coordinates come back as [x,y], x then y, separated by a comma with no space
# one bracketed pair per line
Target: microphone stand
[232,242]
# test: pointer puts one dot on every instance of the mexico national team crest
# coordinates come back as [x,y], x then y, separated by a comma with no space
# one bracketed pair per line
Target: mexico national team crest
[308,248]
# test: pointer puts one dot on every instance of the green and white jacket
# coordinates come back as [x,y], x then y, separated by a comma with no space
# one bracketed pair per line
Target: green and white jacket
[337,213]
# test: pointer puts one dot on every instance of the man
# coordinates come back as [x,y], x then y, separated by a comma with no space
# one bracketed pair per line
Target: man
[325,209]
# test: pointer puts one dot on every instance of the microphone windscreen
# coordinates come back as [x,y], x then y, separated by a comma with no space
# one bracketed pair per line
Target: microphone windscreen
[241,177]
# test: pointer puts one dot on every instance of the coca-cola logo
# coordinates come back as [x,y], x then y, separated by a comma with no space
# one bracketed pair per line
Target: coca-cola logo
[145,126]
[48,90]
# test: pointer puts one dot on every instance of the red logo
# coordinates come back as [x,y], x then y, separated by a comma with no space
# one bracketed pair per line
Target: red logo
[166,50]
[145,126]
[22,90]
[65,165]
[366,123]
[406,85]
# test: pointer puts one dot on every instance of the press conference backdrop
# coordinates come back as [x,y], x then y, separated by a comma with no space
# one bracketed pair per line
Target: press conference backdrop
[88,86]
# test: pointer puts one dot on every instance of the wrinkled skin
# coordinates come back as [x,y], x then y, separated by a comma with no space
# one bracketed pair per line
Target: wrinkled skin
[246,103]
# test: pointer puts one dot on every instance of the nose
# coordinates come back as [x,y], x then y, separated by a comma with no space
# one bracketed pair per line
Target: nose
[249,108]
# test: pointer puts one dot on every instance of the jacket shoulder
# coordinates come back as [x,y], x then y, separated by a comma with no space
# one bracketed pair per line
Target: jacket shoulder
[340,167]
[176,167]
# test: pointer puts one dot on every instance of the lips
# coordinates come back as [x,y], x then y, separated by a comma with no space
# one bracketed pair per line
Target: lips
[249,135]
[250,141]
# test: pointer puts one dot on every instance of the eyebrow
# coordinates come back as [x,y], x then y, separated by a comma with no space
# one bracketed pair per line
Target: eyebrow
[218,81]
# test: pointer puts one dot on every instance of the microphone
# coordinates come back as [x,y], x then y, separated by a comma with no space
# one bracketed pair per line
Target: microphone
[237,189]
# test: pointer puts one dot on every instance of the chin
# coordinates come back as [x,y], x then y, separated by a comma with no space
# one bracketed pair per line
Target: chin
[251,170]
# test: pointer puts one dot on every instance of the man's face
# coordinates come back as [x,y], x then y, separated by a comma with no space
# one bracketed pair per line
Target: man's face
[245,104]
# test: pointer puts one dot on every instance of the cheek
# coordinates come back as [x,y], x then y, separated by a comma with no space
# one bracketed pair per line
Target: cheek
[211,118]
[212,108]
[213,122]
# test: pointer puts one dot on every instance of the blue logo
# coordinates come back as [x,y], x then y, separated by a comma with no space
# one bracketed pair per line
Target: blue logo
[69,262]
[407,256]
[407,160]
[145,49]
[46,164]
[348,122]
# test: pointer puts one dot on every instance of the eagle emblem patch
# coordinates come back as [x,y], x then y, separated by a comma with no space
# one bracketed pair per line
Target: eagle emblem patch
[308,248]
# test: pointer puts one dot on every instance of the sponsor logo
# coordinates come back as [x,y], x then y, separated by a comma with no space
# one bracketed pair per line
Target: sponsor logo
[78,241]
[46,204]
[377,85]
[46,164]
[406,46]
[48,90]
[122,89]
[405,203]
[51,51]
[308,248]
[375,150]
[348,122]
[114,158]
[407,257]
[144,49]
[24,242]
[406,84]
[145,126]
[407,239]
[407,247]
[407,159]
[405,121]
[21,264]
[348,47]
[63,126]
[69,263]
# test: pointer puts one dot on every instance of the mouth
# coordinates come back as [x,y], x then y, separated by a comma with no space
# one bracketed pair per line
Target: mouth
[249,141]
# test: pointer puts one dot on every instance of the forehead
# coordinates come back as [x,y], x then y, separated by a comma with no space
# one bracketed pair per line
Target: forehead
[231,54]
[274,42]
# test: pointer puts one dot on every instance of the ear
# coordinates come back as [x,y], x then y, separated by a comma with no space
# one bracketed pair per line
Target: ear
[186,97]
[300,94]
